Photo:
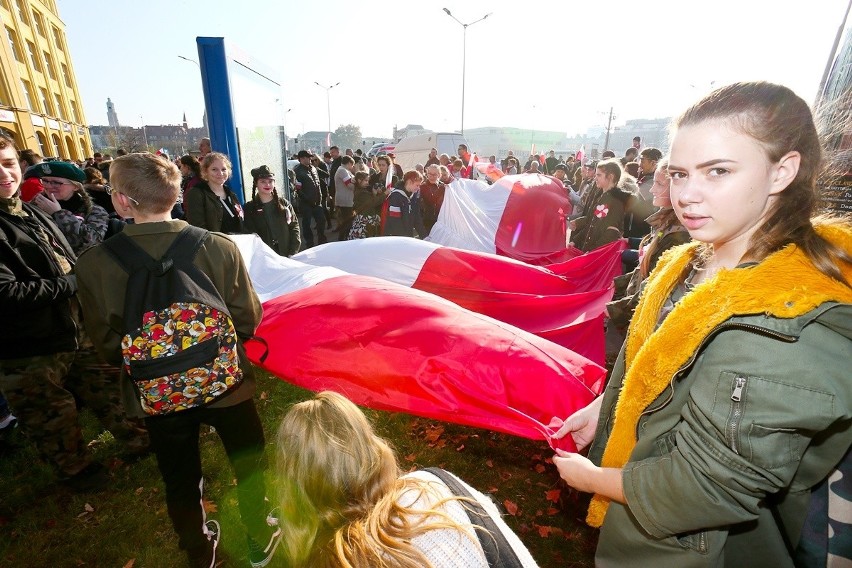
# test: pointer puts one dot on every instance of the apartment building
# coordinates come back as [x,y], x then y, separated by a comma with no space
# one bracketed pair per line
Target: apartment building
[39,100]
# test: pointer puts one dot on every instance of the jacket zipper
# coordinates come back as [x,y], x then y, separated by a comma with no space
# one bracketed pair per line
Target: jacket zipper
[721,327]
[736,412]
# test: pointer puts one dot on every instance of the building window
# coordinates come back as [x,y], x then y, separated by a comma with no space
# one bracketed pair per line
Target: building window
[60,110]
[42,143]
[57,38]
[25,86]
[66,75]
[13,43]
[49,66]
[22,14]
[39,23]
[5,4]
[31,49]
[74,112]
[45,102]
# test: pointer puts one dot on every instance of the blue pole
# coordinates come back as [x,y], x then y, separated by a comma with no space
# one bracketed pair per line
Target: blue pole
[216,84]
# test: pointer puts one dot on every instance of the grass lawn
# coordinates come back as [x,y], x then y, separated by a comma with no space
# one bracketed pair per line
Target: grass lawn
[44,525]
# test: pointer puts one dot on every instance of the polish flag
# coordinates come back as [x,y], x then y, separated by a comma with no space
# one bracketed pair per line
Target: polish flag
[567,308]
[392,347]
[520,216]
[581,153]
[389,178]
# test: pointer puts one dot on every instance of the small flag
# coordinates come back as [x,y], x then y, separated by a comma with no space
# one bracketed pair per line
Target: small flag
[389,177]
[328,139]
[581,153]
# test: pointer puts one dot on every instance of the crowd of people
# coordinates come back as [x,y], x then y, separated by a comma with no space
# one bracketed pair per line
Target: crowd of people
[725,413]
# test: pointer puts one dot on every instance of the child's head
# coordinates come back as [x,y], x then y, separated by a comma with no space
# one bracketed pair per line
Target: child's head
[362,179]
[331,465]
[216,168]
[608,174]
[412,180]
[151,182]
[764,148]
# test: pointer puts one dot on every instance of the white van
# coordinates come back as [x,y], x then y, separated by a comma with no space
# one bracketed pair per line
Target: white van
[415,149]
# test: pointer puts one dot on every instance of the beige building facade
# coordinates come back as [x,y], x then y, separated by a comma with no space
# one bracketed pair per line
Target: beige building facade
[39,100]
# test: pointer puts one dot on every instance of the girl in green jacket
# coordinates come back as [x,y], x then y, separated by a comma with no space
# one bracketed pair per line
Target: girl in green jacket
[731,400]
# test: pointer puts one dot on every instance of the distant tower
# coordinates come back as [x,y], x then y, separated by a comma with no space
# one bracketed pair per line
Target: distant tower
[112,117]
[184,121]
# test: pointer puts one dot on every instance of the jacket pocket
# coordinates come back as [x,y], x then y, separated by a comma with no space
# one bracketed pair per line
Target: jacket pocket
[696,541]
[763,419]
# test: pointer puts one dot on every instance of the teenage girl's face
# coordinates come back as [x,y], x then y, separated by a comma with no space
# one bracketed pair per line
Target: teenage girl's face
[364,182]
[184,169]
[10,172]
[723,184]
[604,180]
[660,189]
[266,185]
[383,166]
[218,172]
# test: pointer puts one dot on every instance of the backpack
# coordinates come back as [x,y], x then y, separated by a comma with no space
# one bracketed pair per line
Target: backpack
[498,552]
[180,345]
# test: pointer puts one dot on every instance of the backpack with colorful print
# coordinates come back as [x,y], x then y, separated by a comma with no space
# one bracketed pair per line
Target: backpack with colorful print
[180,346]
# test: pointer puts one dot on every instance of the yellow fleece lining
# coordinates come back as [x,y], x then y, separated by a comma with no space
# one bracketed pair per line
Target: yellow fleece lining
[785,285]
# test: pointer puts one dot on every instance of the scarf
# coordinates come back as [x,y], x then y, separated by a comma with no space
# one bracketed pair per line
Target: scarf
[784,285]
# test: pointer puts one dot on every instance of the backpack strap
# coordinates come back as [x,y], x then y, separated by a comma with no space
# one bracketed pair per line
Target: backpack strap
[498,551]
[131,257]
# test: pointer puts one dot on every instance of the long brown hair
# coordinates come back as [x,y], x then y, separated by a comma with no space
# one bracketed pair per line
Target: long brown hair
[781,122]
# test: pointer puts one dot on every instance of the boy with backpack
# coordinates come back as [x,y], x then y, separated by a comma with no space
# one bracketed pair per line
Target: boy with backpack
[167,302]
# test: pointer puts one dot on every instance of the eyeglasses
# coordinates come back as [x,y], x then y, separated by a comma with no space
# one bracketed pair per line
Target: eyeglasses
[54,182]
[110,190]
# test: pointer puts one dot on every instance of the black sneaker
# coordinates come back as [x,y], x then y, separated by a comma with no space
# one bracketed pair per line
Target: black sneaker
[205,556]
[260,556]
[91,479]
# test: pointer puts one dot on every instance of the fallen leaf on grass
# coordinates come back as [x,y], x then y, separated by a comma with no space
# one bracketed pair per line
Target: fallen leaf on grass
[553,495]
[433,434]
[511,507]
[460,448]
[264,395]
[505,475]
[209,506]
[410,457]
[539,468]
[546,531]
[88,508]
[130,563]
[489,463]
[552,511]
[139,490]
[492,490]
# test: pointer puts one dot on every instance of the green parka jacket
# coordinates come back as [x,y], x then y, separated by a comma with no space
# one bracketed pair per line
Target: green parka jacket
[726,454]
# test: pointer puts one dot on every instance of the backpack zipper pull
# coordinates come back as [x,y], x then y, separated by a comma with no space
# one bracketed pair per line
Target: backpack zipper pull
[737,395]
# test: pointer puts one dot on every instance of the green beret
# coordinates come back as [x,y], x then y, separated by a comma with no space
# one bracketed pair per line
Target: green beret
[56,169]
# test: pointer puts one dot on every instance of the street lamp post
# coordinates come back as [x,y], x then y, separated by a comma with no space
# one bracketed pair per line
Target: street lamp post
[328,101]
[464,54]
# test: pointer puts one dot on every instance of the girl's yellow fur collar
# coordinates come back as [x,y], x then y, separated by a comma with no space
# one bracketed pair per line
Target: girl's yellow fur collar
[784,285]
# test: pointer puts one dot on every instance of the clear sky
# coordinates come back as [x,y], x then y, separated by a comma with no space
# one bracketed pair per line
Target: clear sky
[548,65]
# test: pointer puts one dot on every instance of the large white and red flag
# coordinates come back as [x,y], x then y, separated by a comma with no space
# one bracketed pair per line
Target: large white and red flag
[567,308]
[519,216]
[393,347]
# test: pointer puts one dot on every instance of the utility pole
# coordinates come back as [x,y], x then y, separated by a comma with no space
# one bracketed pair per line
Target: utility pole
[608,126]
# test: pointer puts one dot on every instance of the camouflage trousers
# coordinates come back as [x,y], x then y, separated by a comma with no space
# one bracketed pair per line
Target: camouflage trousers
[45,392]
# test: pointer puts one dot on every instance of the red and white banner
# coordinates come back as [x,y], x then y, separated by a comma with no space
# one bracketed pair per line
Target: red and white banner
[566,308]
[392,347]
[519,216]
